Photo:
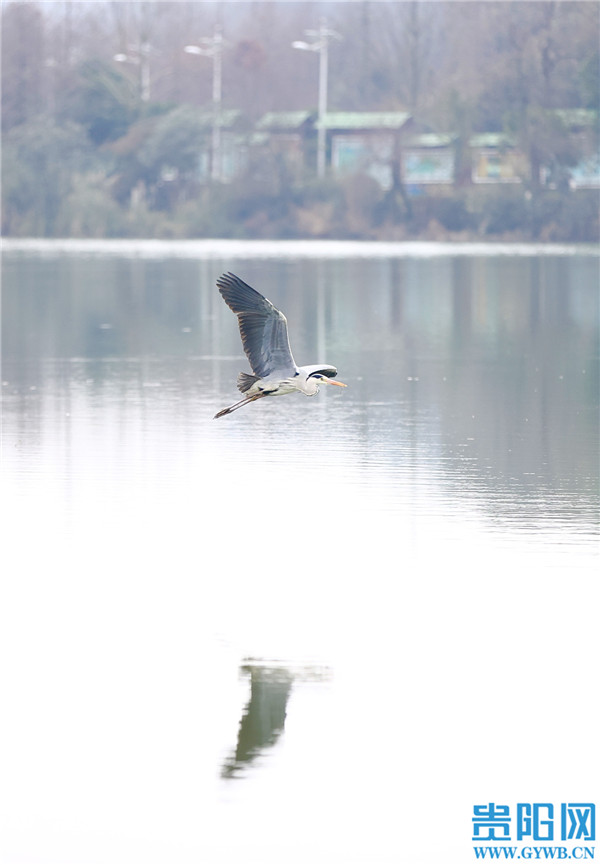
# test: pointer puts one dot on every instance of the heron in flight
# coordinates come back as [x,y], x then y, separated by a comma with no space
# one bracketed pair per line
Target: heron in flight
[264,333]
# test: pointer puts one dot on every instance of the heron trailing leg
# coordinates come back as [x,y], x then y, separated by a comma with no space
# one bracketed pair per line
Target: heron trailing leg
[239,404]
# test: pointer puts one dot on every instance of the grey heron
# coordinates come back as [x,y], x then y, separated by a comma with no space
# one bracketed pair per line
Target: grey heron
[264,333]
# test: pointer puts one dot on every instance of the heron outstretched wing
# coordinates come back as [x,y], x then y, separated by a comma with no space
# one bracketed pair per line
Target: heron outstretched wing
[263,328]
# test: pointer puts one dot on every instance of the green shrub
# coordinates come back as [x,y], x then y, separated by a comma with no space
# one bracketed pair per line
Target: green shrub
[505,212]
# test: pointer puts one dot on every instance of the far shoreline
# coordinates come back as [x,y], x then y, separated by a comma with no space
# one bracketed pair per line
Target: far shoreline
[207,248]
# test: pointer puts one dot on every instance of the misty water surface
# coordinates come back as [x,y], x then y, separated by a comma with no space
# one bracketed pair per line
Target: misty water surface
[273,637]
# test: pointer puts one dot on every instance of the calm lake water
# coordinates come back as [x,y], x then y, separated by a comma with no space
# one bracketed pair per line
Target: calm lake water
[316,631]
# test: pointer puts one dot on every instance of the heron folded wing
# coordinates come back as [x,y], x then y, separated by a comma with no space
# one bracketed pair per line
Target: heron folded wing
[263,328]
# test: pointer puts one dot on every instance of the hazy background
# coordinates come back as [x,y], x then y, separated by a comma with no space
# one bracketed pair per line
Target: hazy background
[80,142]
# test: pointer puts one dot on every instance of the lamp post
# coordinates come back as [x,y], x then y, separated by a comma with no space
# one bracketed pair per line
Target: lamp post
[322,37]
[139,56]
[212,46]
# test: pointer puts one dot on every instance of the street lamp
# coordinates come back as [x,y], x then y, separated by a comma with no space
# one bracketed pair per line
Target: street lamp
[212,46]
[139,56]
[322,37]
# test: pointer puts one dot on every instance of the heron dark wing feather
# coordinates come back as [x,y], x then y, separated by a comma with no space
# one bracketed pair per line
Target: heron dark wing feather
[320,369]
[263,328]
[241,297]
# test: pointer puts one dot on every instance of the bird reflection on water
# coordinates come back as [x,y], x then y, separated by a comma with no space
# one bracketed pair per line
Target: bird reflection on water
[263,719]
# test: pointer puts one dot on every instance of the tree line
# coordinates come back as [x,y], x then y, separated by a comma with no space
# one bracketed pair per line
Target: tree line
[98,98]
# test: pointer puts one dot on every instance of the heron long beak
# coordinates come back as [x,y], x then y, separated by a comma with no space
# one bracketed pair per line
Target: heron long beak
[337,383]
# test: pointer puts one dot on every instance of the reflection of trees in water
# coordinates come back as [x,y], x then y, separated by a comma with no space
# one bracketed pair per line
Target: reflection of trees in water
[494,365]
[263,718]
[490,363]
